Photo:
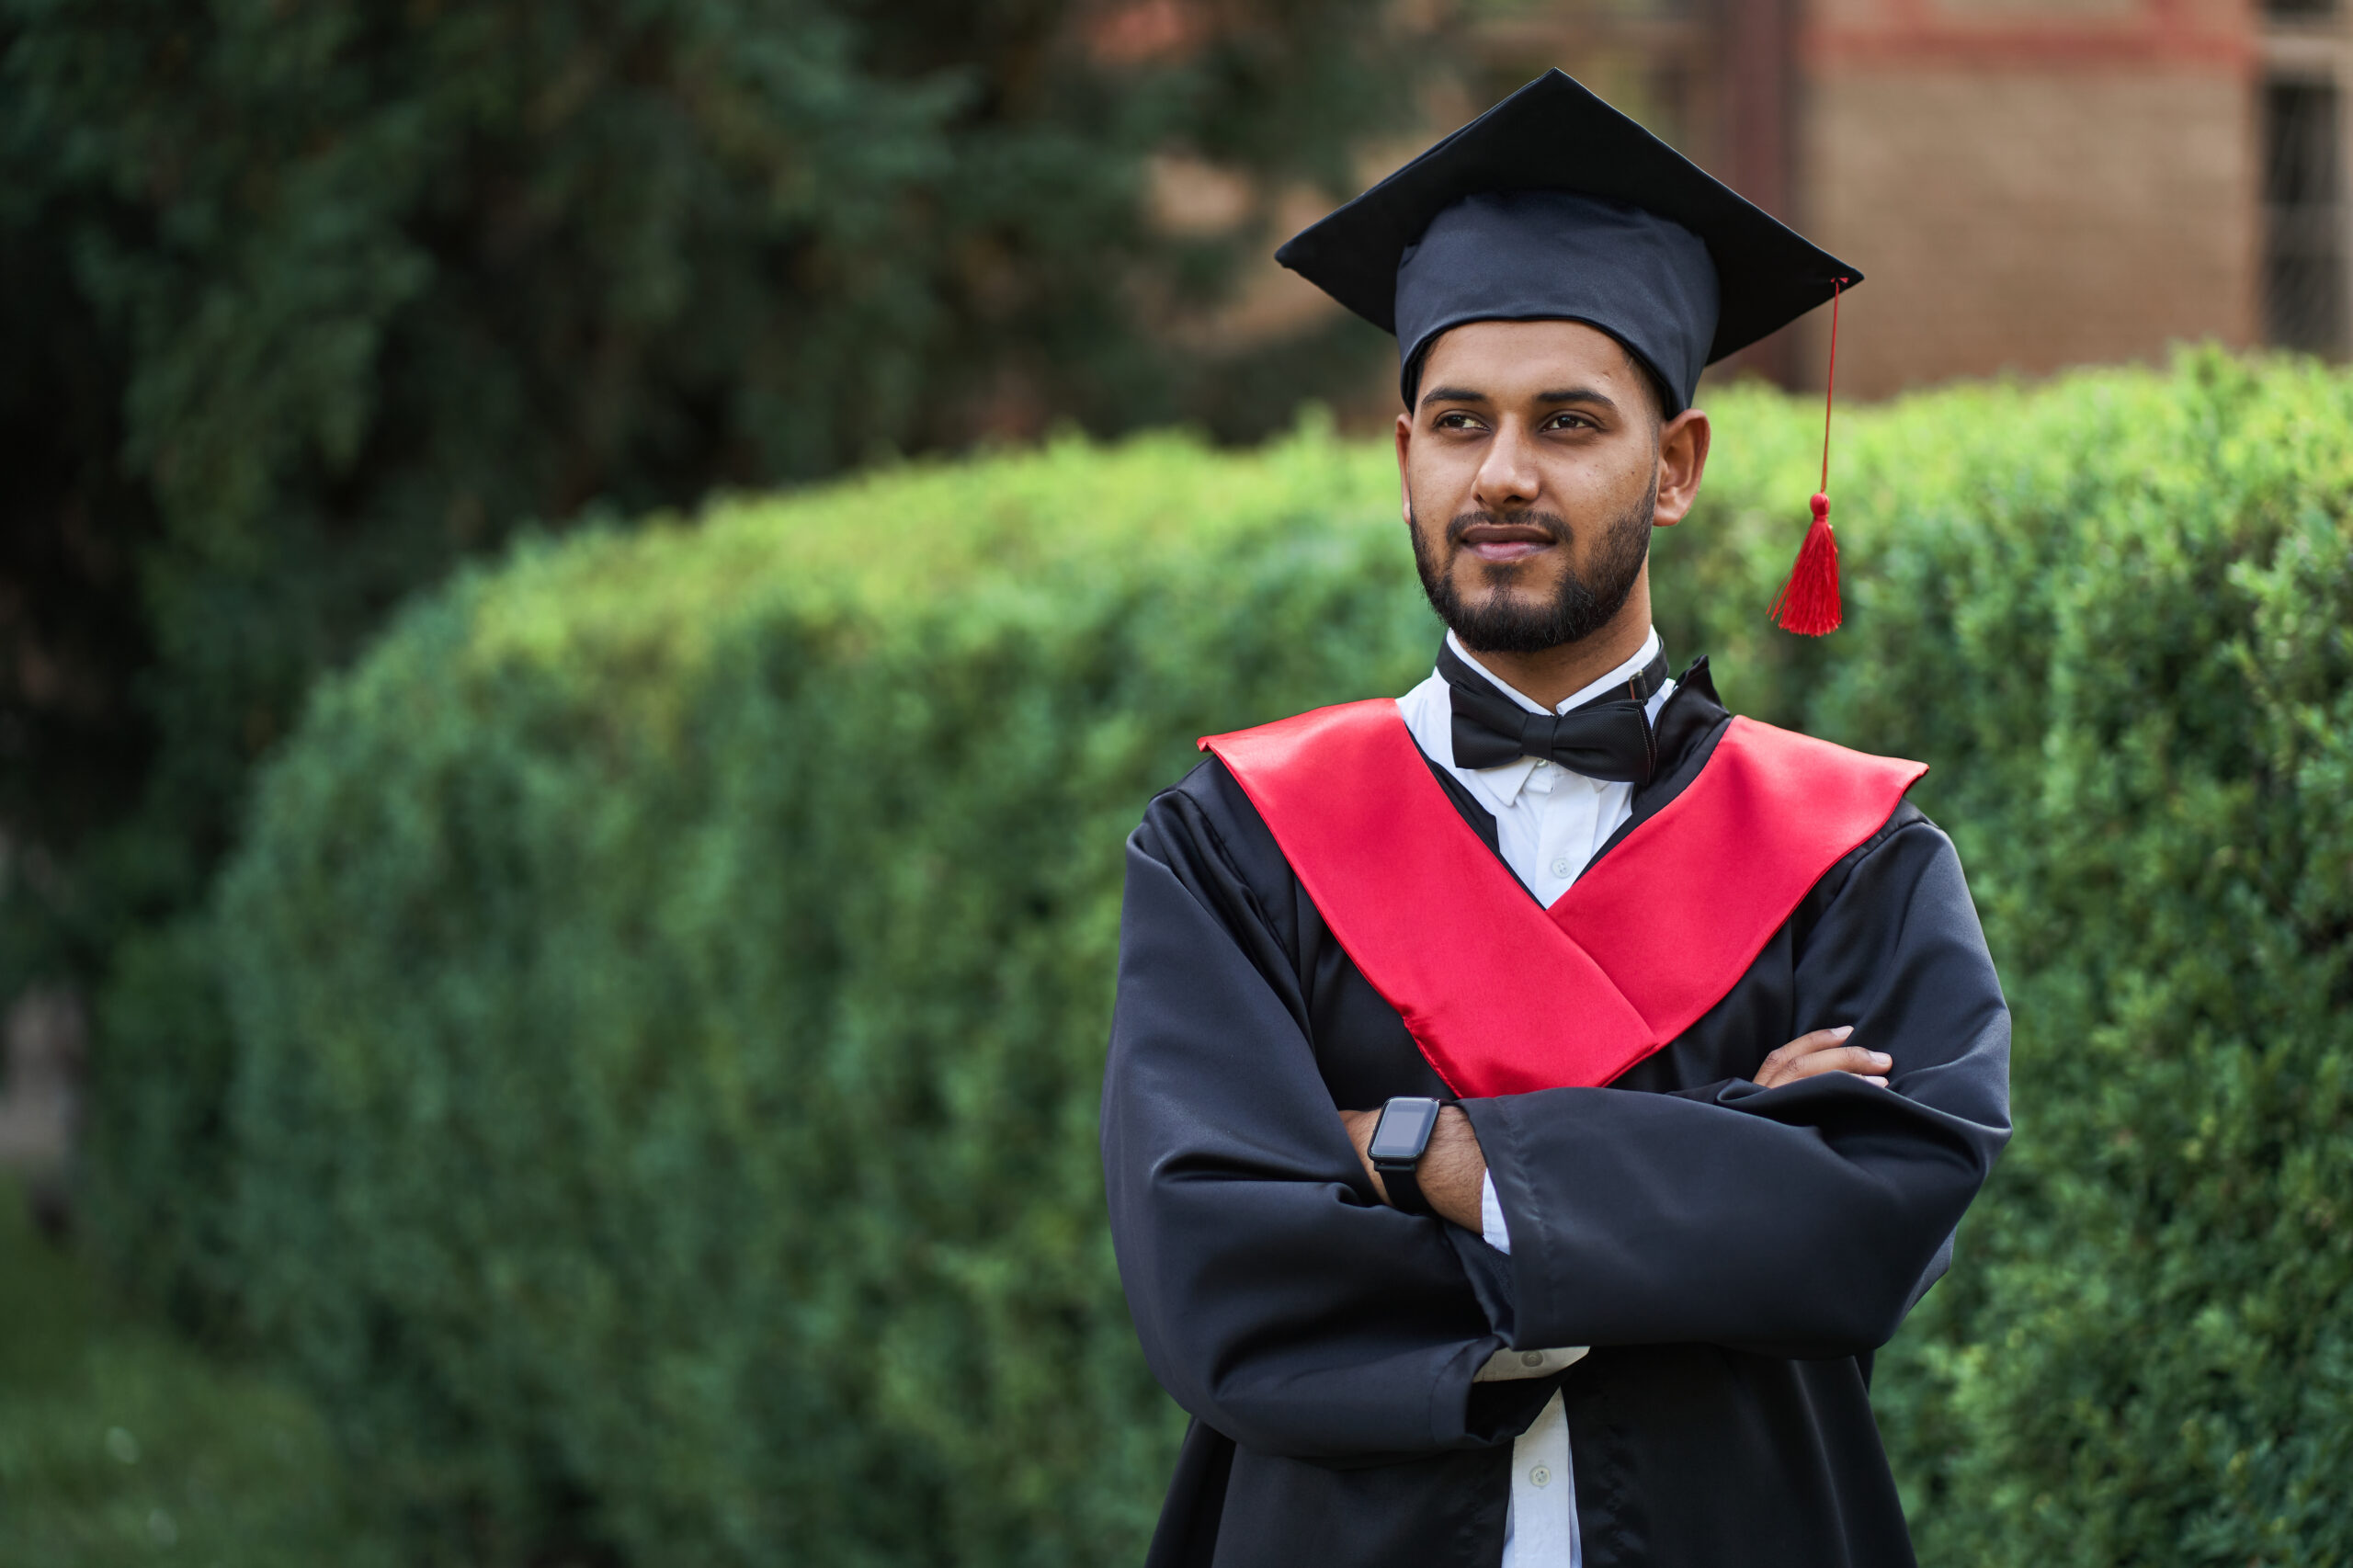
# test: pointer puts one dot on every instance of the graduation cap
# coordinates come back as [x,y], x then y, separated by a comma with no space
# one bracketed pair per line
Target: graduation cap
[1554,206]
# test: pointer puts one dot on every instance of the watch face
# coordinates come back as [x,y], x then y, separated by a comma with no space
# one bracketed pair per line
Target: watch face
[1405,1130]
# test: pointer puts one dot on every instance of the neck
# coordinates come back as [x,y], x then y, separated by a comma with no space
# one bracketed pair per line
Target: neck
[1551,676]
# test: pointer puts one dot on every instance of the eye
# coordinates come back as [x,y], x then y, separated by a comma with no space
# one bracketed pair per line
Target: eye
[1455,419]
[1569,421]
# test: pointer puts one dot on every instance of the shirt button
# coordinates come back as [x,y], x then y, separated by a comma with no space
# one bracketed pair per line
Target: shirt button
[1561,866]
[1541,1476]
[1532,1357]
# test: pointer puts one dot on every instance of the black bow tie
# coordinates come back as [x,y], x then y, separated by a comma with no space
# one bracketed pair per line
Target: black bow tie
[1609,737]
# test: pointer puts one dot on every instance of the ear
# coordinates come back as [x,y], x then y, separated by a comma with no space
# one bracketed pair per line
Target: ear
[1682,460]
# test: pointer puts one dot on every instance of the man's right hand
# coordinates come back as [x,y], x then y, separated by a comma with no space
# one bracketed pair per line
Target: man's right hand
[1823,1051]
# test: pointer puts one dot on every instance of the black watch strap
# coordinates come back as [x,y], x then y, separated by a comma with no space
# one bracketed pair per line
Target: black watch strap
[1399,1139]
[1404,1187]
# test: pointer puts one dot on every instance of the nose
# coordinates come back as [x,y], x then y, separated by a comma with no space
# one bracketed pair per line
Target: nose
[1507,478]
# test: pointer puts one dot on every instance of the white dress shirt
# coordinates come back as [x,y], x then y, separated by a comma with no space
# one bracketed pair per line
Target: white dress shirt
[1549,824]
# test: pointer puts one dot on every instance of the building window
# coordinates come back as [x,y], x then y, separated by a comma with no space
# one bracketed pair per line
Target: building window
[2305,281]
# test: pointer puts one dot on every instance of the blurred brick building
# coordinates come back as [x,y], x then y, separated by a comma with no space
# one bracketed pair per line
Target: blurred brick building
[2029,184]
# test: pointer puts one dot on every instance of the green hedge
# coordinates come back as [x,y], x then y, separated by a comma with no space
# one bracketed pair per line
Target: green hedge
[670,974]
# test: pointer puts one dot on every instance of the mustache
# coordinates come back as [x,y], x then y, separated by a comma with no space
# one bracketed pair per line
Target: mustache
[1551,524]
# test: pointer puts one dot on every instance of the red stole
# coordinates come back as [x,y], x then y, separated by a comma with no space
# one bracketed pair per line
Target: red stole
[1503,996]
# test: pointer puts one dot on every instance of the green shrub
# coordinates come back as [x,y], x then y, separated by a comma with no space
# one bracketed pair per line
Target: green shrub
[669,975]
[673,975]
[2118,616]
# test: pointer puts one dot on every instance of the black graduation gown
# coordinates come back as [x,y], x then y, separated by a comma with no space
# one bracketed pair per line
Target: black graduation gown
[1733,1255]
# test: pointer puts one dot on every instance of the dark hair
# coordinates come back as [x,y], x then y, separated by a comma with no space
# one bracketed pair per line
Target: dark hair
[1661,399]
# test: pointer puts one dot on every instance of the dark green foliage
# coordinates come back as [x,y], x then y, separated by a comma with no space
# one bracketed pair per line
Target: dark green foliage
[301,301]
[670,973]
[120,1446]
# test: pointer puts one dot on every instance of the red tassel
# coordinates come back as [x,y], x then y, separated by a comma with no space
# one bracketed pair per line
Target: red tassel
[1808,604]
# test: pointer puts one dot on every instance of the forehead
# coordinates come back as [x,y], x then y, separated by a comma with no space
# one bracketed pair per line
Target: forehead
[1501,357]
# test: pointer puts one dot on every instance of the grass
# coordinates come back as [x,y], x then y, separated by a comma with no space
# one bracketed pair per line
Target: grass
[121,1444]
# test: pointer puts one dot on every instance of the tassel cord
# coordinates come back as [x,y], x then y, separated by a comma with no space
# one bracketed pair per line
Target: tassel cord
[1830,381]
[1808,603]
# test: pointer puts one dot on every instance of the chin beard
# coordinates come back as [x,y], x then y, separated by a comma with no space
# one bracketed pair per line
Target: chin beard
[1581,605]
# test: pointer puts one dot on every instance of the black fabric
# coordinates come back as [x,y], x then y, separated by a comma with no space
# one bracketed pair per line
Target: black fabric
[1733,1254]
[1607,737]
[1553,254]
[1625,258]
[1687,727]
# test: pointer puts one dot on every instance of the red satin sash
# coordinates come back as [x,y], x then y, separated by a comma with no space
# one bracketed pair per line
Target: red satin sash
[1503,996]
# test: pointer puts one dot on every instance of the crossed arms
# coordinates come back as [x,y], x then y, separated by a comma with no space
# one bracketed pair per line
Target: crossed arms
[1776,1205]
[1453,1169]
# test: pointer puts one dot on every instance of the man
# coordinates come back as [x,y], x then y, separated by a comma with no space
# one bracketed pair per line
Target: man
[1472,1226]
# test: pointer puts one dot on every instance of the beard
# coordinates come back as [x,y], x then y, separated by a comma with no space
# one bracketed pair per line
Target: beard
[1582,605]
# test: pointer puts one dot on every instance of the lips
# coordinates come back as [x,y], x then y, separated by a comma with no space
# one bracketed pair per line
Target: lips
[1504,543]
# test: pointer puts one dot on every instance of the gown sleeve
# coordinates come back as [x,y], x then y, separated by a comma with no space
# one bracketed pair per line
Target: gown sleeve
[1276,1299]
[1802,1221]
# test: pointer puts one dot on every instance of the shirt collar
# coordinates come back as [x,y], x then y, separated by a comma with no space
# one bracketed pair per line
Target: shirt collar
[1619,676]
[1508,779]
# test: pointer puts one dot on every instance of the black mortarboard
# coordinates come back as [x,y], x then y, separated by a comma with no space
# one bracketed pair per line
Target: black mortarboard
[1553,205]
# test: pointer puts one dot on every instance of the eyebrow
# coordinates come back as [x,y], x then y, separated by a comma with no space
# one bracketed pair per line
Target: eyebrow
[1559,395]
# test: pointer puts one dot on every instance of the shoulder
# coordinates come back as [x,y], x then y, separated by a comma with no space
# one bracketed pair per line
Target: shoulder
[1203,833]
[1909,857]
[1208,800]
[1318,744]
[1910,826]
[1897,853]
[1803,761]
[1205,828]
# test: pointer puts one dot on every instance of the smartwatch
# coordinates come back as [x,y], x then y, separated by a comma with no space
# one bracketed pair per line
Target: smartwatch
[1398,1139]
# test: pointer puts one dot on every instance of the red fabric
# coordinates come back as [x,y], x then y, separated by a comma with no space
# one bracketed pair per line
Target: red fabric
[1808,604]
[1503,997]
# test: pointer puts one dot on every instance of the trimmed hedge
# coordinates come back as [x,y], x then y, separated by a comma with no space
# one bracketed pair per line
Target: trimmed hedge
[669,975]
[674,973]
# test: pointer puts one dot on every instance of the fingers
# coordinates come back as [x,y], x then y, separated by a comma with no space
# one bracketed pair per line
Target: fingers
[1781,1067]
[1842,1059]
[1823,1051]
